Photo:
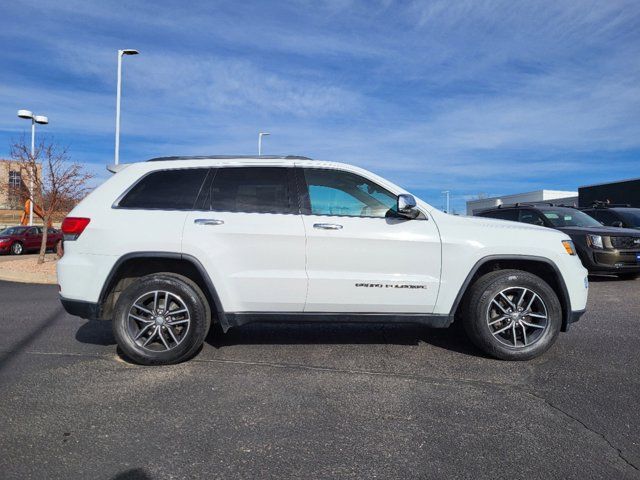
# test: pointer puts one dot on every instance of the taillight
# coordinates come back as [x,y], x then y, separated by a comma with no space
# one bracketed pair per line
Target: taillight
[72,227]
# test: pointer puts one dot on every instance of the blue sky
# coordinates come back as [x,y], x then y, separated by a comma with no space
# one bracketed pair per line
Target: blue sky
[478,96]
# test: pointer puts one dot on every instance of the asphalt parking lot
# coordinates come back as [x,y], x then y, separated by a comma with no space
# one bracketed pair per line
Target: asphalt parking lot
[318,401]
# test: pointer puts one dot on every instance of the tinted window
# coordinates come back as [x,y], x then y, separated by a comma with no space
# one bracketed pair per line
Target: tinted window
[14,231]
[531,216]
[569,217]
[605,216]
[631,216]
[502,214]
[168,190]
[250,190]
[339,193]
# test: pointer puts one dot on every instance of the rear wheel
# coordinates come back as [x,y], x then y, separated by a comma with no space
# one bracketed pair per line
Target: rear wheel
[17,249]
[512,315]
[161,319]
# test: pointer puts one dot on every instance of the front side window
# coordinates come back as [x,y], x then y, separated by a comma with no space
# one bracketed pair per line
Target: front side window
[606,217]
[631,217]
[511,215]
[339,193]
[250,190]
[166,190]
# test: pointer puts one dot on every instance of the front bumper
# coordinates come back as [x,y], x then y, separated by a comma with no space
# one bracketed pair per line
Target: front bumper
[612,261]
[79,308]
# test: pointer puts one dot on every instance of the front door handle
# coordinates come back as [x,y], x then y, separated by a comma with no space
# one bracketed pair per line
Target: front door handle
[208,221]
[327,226]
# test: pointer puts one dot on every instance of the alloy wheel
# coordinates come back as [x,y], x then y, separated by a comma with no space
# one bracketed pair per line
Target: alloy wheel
[517,317]
[158,321]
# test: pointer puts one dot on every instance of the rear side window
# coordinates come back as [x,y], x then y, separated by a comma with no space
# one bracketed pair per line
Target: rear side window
[532,217]
[501,214]
[166,190]
[250,190]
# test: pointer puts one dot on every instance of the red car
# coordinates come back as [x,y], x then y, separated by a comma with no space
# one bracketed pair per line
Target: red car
[17,240]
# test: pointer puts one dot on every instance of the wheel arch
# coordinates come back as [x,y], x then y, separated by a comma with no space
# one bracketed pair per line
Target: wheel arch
[540,266]
[138,264]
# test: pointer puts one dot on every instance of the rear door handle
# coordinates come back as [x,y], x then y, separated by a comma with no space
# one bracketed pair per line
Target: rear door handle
[327,226]
[208,221]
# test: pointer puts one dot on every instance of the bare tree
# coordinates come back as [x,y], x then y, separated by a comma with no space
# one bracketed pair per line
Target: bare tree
[60,182]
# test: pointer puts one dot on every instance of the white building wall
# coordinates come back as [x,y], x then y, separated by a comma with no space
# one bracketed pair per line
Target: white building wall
[539,196]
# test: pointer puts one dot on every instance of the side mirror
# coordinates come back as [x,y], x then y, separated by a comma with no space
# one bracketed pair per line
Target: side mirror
[407,206]
[618,224]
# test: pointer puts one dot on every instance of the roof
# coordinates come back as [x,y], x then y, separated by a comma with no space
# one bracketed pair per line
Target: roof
[230,157]
[611,183]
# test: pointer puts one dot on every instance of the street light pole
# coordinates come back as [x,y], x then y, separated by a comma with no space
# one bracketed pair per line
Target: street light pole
[121,53]
[446,192]
[260,135]
[42,120]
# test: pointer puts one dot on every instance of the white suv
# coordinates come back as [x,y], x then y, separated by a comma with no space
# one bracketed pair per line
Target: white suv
[165,247]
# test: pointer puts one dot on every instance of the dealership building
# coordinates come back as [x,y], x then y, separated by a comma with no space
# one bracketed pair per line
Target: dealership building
[537,197]
[622,192]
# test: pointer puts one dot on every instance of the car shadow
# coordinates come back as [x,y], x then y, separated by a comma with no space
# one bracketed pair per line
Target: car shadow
[300,333]
[96,332]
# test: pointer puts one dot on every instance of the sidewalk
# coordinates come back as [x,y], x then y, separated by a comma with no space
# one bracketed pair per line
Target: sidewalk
[25,269]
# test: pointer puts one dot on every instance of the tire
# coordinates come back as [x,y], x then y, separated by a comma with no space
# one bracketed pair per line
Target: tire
[138,325]
[512,335]
[17,248]
[628,276]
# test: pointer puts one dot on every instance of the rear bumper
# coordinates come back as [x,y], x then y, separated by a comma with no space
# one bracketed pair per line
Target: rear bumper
[80,308]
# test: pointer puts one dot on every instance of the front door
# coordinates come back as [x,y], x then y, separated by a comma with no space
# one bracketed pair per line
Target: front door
[33,238]
[361,256]
[249,235]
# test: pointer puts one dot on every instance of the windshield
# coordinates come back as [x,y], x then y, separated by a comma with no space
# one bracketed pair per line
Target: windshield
[569,217]
[13,231]
[631,216]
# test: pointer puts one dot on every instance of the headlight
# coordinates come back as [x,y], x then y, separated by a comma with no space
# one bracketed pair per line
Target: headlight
[569,247]
[595,241]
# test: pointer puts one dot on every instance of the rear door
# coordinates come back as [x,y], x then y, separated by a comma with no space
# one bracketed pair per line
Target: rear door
[362,257]
[249,235]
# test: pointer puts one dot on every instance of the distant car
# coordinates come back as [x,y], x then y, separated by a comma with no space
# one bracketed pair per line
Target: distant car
[615,216]
[18,240]
[602,249]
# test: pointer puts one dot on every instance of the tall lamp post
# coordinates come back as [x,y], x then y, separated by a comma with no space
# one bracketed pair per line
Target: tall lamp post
[121,53]
[260,135]
[42,120]
[446,192]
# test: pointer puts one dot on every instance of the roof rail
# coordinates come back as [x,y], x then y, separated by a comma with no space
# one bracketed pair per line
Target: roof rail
[519,204]
[601,204]
[229,157]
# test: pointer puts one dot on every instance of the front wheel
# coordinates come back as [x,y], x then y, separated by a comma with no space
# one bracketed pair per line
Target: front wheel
[17,248]
[512,315]
[161,319]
